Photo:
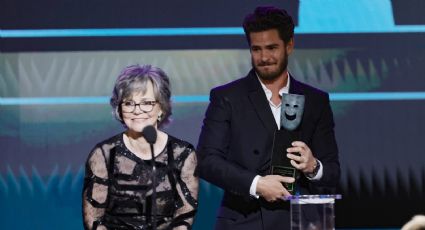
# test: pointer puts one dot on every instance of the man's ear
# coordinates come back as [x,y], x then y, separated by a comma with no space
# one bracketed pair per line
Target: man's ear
[290,46]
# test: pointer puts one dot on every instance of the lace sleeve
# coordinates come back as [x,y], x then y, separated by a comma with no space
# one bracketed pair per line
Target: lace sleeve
[95,190]
[187,188]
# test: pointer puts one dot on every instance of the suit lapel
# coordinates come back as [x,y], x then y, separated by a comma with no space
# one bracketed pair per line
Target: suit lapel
[295,87]
[261,105]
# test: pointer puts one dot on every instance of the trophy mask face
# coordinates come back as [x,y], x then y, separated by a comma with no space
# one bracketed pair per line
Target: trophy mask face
[292,111]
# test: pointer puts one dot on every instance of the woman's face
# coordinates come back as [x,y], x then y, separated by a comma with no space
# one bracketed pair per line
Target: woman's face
[141,110]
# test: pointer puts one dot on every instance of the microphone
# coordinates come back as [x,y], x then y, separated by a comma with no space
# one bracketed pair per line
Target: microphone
[150,135]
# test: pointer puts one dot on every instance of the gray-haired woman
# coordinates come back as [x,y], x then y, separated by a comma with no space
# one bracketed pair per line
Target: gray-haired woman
[118,186]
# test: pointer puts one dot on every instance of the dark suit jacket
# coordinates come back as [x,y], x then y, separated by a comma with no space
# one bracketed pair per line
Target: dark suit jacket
[235,145]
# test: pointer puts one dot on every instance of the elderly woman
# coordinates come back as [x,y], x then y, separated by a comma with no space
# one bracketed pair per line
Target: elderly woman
[118,186]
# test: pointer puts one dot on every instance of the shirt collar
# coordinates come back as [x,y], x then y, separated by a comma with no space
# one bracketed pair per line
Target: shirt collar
[268,92]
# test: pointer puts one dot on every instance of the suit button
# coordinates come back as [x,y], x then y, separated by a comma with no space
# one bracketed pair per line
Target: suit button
[256,152]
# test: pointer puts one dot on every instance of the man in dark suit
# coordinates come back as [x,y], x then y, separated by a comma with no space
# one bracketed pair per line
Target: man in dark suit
[235,145]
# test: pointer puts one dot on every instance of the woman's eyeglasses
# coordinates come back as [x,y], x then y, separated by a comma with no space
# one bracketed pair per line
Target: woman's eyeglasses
[130,106]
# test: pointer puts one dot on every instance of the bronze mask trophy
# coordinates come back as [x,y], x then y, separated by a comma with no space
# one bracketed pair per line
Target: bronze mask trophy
[291,115]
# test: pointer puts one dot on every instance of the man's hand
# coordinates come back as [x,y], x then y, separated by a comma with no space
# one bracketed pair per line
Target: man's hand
[305,161]
[271,189]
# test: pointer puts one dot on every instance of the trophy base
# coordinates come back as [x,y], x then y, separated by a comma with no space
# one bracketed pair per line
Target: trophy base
[286,172]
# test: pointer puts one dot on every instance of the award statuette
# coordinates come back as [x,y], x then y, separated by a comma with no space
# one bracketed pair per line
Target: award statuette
[291,114]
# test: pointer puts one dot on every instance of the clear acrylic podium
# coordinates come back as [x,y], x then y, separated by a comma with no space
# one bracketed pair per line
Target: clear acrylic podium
[313,212]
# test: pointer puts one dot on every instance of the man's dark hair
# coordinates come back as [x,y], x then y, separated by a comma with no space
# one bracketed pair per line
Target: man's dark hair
[269,17]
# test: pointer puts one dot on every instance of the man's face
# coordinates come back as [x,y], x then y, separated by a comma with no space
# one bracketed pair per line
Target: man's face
[269,54]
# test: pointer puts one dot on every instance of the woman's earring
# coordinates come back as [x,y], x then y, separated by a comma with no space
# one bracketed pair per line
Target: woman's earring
[159,118]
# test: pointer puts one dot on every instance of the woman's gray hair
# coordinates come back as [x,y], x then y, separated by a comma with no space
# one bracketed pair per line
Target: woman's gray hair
[133,79]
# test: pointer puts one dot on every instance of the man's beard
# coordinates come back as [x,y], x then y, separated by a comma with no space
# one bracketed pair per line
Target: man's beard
[273,75]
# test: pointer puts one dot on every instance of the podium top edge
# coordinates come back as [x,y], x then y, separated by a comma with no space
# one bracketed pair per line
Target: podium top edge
[315,197]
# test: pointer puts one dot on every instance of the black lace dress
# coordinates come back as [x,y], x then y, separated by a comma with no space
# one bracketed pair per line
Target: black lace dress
[118,187]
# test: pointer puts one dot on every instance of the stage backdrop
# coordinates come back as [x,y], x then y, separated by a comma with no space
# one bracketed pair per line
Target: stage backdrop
[59,61]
